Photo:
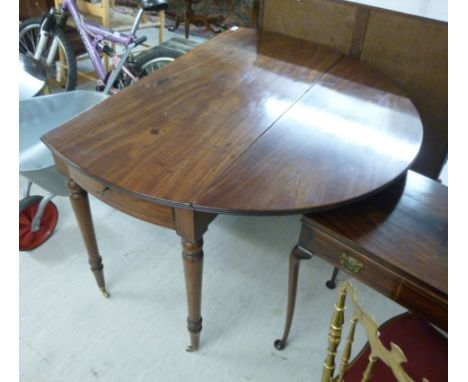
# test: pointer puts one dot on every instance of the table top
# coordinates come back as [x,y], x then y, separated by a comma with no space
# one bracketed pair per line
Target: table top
[404,227]
[248,123]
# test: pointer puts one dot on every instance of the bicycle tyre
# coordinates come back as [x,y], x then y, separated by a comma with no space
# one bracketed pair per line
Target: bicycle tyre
[28,38]
[153,59]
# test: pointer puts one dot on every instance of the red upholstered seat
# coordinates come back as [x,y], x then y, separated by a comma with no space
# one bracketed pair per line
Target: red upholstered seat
[425,349]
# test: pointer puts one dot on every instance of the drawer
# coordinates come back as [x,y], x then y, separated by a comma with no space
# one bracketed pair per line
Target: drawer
[376,274]
[139,208]
[432,306]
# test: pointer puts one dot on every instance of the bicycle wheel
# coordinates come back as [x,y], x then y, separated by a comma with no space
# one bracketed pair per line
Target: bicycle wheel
[153,59]
[59,77]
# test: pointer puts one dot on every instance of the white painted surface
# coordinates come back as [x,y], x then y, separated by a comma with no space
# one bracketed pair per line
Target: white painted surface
[428,9]
[444,174]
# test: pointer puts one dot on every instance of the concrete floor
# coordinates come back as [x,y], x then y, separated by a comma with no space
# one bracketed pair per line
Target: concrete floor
[69,332]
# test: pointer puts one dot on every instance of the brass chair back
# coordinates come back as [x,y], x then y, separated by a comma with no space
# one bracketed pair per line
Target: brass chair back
[393,358]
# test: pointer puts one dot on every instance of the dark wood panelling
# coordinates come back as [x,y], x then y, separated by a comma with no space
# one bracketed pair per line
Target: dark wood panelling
[411,51]
[414,53]
[320,21]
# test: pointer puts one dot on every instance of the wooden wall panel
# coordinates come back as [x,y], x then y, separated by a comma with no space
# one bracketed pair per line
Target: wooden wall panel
[321,21]
[414,53]
[36,8]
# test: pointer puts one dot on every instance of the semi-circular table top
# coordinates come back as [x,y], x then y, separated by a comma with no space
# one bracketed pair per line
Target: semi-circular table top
[249,123]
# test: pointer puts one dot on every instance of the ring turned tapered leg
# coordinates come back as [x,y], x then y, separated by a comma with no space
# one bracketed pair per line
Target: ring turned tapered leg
[80,204]
[297,254]
[190,226]
[192,255]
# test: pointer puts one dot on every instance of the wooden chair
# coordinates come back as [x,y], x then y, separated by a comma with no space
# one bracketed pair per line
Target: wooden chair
[215,15]
[395,242]
[405,348]
[189,16]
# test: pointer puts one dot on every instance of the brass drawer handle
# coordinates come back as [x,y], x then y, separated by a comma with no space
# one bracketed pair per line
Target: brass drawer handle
[350,263]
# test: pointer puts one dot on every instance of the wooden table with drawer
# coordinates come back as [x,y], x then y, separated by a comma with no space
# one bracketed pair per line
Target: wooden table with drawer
[249,123]
[398,249]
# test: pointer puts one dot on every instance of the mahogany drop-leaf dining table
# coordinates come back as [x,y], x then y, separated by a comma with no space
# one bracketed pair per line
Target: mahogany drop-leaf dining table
[251,123]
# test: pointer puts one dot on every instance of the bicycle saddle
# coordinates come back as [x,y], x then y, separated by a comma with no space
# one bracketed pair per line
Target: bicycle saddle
[154,5]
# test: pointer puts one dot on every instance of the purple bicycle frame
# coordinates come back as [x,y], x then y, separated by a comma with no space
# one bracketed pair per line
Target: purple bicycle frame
[92,34]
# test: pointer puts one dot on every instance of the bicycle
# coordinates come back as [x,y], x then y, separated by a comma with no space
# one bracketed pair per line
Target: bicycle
[44,39]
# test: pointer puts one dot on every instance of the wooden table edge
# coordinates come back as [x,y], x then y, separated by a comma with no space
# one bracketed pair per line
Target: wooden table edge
[378,260]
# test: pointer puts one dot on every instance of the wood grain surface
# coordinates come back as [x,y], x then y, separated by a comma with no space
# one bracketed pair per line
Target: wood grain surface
[321,21]
[414,54]
[248,123]
[406,225]
[400,238]
[351,134]
[411,50]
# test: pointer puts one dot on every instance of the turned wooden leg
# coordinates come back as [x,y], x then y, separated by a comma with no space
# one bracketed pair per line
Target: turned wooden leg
[192,255]
[80,203]
[191,226]
[297,254]
[331,284]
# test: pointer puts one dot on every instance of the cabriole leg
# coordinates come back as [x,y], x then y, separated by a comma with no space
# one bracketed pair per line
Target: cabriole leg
[331,284]
[295,258]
